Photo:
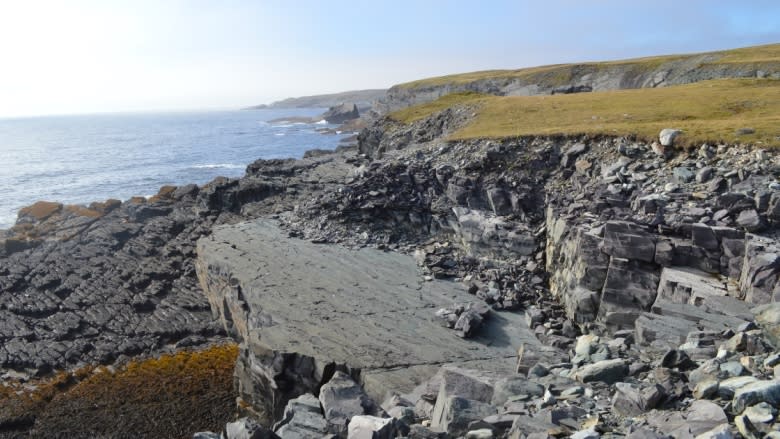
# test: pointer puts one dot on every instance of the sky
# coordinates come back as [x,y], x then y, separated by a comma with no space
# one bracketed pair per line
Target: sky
[91,56]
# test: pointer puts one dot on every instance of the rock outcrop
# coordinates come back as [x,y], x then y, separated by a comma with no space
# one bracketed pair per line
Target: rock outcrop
[485,288]
[341,113]
[579,78]
[304,311]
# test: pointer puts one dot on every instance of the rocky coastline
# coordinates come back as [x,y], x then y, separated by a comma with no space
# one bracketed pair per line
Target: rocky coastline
[563,286]
[415,286]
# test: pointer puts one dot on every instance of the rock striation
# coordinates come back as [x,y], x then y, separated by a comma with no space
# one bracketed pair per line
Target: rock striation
[304,312]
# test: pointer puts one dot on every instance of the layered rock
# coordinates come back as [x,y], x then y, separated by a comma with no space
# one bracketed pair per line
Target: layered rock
[304,311]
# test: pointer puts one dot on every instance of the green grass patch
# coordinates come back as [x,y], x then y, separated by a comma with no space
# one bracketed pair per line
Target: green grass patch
[553,75]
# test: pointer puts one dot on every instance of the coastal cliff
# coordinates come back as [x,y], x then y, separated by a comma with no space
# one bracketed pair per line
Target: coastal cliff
[652,72]
[445,278]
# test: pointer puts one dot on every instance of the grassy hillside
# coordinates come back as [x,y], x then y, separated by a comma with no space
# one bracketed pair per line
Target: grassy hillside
[707,111]
[553,75]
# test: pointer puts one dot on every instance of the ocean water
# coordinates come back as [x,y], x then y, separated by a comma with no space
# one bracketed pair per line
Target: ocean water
[80,159]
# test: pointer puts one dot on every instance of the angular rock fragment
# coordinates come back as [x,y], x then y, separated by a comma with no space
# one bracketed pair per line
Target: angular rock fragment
[371,427]
[341,399]
[606,371]
[457,413]
[302,418]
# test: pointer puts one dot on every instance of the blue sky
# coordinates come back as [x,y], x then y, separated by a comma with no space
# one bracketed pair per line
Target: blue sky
[84,56]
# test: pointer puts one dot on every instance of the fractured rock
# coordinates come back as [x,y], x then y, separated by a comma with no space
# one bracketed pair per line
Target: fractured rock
[341,399]
[302,419]
[606,371]
[457,413]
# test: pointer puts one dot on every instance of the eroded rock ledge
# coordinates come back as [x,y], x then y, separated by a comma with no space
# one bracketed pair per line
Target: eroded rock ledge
[303,311]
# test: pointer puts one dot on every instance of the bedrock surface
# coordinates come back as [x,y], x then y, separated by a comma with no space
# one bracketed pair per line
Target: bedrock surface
[303,310]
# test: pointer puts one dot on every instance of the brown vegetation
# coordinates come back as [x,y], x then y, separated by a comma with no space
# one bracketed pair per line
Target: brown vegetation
[171,396]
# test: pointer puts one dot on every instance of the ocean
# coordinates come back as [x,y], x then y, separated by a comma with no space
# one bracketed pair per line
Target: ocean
[80,159]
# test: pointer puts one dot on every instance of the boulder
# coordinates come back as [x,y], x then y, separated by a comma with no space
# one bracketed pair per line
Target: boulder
[668,135]
[606,371]
[525,426]
[508,387]
[631,400]
[341,113]
[456,413]
[464,383]
[302,419]
[341,399]
[683,175]
[370,427]
[756,392]
[768,317]
[760,274]
[750,220]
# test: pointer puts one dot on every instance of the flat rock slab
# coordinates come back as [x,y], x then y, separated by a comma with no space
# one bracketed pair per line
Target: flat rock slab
[365,309]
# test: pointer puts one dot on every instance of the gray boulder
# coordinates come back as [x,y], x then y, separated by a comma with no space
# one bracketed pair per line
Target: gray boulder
[756,392]
[750,220]
[668,135]
[512,386]
[768,317]
[457,413]
[606,371]
[631,400]
[341,399]
[302,419]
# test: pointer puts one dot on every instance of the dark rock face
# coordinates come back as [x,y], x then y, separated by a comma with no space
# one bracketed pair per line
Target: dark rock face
[95,284]
[341,113]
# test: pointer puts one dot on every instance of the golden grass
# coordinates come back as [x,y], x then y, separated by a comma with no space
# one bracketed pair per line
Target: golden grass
[170,396]
[418,112]
[558,74]
[708,111]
